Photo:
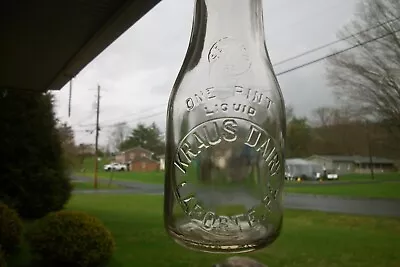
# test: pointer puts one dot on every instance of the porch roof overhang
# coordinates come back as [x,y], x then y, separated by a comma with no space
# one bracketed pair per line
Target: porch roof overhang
[45,43]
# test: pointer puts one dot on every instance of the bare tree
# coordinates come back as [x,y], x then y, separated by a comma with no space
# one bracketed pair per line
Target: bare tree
[322,116]
[289,113]
[328,116]
[118,135]
[367,78]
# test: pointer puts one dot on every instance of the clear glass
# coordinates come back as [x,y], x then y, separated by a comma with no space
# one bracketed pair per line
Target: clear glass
[225,135]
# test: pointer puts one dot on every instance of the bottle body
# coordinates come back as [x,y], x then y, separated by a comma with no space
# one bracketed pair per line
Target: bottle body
[225,135]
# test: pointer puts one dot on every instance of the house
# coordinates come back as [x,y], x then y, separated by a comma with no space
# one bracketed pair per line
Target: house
[138,159]
[144,164]
[354,164]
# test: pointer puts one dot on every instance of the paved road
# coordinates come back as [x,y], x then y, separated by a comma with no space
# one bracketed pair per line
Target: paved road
[361,206]
[339,182]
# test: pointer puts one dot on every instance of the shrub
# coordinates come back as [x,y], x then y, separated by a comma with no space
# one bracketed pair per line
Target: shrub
[10,229]
[70,238]
[34,177]
[3,262]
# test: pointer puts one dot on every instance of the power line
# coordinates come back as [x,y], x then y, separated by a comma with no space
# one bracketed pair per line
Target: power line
[137,119]
[135,113]
[334,42]
[283,72]
[79,123]
[292,69]
[335,53]
[125,116]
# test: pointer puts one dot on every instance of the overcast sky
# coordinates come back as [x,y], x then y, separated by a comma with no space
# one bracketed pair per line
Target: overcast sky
[137,71]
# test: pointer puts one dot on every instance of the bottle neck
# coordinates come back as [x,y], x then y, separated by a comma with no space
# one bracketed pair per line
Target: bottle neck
[239,20]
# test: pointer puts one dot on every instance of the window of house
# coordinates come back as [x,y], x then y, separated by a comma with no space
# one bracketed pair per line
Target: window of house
[143,154]
[143,165]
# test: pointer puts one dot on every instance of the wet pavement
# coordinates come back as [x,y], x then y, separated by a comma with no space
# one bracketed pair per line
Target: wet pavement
[350,205]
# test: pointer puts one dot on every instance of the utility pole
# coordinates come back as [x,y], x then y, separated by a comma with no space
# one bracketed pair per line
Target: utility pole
[70,97]
[96,164]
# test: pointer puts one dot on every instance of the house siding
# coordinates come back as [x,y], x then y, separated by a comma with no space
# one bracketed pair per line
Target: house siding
[138,159]
[132,154]
[120,158]
[144,166]
[344,166]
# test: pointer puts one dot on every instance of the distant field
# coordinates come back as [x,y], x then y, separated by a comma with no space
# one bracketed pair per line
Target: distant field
[377,176]
[157,177]
[89,185]
[144,177]
[374,190]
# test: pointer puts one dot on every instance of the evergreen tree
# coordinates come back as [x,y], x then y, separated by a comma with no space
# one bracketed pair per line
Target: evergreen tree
[34,178]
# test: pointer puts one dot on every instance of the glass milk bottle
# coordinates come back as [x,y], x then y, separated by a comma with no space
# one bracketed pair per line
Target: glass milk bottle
[225,134]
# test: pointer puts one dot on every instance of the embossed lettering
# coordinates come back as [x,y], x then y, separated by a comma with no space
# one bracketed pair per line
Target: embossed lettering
[251,95]
[209,112]
[189,202]
[254,95]
[182,184]
[209,134]
[180,164]
[267,147]
[224,221]
[217,138]
[267,202]
[224,107]
[190,104]
[209,220]
[200,142]
[250,137]
[236,107]
[199,98]
[210,93]
[274,164]
[229,126]
[251,111]
[197,211]
[186,149]
[251,217]
[271,196]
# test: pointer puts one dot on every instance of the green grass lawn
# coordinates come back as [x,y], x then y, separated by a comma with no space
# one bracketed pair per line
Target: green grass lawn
[375,190]
[308,238]
[90,185]
[156,177]
[367,177]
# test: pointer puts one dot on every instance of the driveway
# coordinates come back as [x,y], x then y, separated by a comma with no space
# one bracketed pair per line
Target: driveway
[360,206]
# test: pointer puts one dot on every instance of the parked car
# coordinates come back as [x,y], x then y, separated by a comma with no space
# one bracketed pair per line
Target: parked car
[115,167]
[331,175]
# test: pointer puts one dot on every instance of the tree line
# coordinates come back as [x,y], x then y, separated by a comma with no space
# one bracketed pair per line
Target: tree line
[328,131]
[334,131]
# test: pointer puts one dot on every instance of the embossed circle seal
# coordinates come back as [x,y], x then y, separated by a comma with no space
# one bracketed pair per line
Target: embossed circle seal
[230,55]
